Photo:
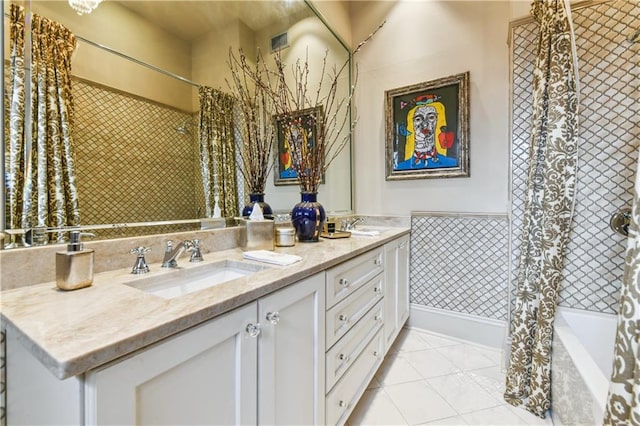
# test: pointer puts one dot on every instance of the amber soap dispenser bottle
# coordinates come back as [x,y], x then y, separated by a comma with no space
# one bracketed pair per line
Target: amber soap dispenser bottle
[74,267]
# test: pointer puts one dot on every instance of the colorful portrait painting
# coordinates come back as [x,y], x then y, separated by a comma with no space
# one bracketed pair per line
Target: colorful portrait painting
[305,134]
[427,130]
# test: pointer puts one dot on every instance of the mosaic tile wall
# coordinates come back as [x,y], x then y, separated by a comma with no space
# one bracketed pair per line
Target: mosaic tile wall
[459,263]
[132,164]
[609,129]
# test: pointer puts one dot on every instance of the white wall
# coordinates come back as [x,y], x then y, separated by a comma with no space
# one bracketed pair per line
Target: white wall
[422,41]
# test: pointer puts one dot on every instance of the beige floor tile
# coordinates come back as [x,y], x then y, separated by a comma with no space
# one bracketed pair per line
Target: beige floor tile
[530,419]
[466,357]
[419,403]
[396,369]
[430,363]
[376,408]
[501,415]
[409,340]
[449,421]
[435,340]
[463,393]
[492,379]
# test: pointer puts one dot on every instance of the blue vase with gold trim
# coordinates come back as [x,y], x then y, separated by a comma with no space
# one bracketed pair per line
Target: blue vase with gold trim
[257,198]
[308,218]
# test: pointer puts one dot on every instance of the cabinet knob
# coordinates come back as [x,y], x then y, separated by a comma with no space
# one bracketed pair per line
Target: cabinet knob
[377,262]
[253,330]
[375,353]
[344,282]
[343,318]
[343,357]
[273,317]
[341,403]
[377,290]
[377,318]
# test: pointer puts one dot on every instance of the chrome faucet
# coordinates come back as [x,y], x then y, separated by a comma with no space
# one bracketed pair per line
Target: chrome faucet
[171,253]
[349,224]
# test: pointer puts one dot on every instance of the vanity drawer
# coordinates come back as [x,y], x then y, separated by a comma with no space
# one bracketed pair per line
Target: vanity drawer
[344,279]
[345,395]
[347,313]
[346,351]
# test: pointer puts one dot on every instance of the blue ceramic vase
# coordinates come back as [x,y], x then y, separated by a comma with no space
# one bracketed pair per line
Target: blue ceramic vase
[257,198]
[308,218]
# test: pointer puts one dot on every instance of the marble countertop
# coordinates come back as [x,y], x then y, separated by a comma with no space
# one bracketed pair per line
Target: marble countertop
[75,331]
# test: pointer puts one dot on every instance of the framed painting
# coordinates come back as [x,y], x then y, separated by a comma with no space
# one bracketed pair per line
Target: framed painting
[285,173]
[427,129]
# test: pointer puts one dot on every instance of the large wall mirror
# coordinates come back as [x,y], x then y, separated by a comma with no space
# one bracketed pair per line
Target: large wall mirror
[135,73]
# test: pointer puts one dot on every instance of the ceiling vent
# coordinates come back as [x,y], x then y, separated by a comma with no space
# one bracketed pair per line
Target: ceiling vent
[279,41]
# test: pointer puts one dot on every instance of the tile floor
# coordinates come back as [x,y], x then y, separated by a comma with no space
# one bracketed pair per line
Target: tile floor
[429,379]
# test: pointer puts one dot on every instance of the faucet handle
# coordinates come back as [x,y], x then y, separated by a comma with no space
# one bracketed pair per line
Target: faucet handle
[196,254]
[140,267]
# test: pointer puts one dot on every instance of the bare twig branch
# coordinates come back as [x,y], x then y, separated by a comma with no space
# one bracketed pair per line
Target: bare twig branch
[311,153]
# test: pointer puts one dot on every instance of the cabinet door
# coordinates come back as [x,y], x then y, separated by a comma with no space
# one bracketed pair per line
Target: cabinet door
[291,354]
[396,293]
[402,259]
[206,375]
[390,293]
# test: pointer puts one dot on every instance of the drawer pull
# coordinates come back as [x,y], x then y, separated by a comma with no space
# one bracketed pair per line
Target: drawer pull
[253,330]
[273,317]
[377,262]
[375,353]
[344,282]
[377,290]
[343,357]
[343,318]
[377,318]
[341,403]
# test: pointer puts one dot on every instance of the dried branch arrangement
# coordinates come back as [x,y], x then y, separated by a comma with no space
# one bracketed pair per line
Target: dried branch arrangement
[256,124]
[291,95]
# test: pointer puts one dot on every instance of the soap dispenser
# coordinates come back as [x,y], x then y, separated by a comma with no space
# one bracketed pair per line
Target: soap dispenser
[74,267]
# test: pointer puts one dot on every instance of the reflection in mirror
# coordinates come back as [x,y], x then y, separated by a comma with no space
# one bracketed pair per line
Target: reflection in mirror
[134,126]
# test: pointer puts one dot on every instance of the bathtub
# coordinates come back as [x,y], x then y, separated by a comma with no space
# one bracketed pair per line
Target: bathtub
[582,353]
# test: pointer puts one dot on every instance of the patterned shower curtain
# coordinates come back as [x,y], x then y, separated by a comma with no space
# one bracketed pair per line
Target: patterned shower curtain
[623,401]
[41,180]
[14,119]
[548,207]
[217,152]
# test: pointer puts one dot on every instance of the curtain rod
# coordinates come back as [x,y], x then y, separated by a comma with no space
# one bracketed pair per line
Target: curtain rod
[137,61]
[132,59]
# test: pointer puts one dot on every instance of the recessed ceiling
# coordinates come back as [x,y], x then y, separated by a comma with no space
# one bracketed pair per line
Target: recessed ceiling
[189,20]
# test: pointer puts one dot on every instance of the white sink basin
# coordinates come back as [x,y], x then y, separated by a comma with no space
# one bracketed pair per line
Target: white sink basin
[178,282]
[367,231]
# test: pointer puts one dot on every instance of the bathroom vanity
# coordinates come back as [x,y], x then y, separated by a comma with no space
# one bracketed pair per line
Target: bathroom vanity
[293,344]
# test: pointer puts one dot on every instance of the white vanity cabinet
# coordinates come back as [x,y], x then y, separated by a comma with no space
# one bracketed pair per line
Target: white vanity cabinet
[303,354]
[355,343]
[396,294]
[207,375]
[261,363]
[291,352]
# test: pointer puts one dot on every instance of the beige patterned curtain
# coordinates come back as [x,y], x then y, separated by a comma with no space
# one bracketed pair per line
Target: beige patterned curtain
[217,152]
[623,402]
[41,189]
[548,208]
[14,120]
[51,195]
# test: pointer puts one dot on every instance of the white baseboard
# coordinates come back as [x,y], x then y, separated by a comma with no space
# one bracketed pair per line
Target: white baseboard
[484,331]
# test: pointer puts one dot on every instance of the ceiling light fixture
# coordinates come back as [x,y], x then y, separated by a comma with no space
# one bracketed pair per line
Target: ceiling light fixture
[84,6]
